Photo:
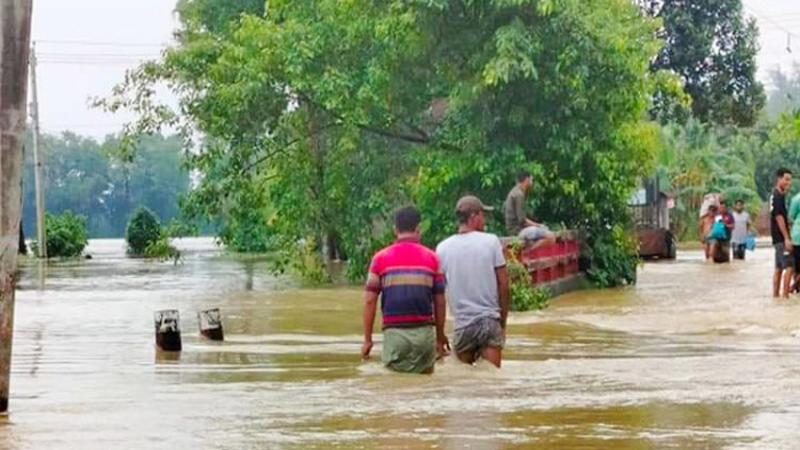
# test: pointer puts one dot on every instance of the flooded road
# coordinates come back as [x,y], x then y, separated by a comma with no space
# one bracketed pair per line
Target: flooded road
[697,356]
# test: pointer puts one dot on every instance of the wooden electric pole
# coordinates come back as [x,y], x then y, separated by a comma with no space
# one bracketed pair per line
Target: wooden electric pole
[15,31]
[41,230]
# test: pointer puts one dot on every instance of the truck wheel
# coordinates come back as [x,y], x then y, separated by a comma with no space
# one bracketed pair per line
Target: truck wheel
[671,246]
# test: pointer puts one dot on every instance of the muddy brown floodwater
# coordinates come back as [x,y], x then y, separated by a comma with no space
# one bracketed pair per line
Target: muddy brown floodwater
[696,356]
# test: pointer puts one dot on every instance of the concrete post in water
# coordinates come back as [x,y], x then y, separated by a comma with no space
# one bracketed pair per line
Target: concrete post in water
[168,330]
[15,30]
[210,323]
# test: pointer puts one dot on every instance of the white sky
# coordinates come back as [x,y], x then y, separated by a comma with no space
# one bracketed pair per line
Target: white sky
[69,74]
[776,18]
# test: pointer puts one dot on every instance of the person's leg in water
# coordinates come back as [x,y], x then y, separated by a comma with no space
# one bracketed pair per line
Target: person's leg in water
[482,339]
[776,282]
[787,281]
[741,250]
[466,357]
[795,264]
[714,247]
[493,355]
[780,265]
[789,274]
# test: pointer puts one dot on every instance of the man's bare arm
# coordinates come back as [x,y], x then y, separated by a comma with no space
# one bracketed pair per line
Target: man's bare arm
[440,310]
[503,293]
[370,308]
[781,220]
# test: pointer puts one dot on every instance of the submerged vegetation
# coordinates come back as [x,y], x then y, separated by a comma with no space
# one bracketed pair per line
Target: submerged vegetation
[146,237]
[524,295]
[67,236]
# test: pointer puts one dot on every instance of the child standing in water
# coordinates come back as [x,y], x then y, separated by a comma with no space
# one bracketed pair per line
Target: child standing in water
[706,223]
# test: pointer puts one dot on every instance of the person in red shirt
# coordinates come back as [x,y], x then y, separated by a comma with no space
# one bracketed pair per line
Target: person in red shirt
[406,277]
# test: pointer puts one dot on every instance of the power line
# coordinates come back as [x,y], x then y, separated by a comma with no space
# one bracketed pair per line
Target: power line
[98,55]
[777,24]
[99,43]
[780,26]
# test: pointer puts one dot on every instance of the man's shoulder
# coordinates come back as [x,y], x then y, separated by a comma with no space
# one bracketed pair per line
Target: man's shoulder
[425,252]
[382,253]
[488,238]
[445,244]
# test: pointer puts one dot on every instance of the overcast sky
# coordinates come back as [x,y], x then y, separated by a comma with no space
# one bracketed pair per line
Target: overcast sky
[85,46]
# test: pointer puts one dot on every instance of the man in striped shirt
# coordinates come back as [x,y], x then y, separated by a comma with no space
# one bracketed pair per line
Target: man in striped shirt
[406,277]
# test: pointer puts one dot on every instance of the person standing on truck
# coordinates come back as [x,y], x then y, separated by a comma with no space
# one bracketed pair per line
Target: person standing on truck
[741,229]
[474,269]
[517,221]
[779,228]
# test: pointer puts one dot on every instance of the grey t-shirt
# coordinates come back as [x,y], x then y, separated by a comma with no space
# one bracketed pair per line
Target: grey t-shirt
[515,213]
[468,262]
[740,221]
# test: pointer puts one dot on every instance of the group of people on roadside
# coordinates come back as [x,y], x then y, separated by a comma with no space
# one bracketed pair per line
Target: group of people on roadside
[785,231]
[720,229]
[467,272]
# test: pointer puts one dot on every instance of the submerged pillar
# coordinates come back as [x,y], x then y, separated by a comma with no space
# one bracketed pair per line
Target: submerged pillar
[210,323]
[168,331]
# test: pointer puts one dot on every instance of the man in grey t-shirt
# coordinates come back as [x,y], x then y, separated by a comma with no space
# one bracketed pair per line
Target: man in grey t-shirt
[474,267]
[517,221]
[741,228]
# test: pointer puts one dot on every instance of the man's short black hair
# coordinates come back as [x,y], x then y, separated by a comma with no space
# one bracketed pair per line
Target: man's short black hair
[523,174]
[781,172]
[723,203]
[407,219]
[463,217]
[739,200]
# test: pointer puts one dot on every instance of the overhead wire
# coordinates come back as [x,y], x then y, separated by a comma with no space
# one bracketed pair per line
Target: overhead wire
[100,43]
[53,56]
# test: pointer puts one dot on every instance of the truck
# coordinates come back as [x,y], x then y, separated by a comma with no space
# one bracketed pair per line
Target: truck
[650,208]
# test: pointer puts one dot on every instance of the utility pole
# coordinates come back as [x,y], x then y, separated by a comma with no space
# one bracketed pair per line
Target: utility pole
[15,31]
[41,230]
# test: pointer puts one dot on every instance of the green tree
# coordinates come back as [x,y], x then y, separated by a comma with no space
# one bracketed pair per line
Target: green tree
[341,111]
[697,159]
[95,180]
[713,49]
[66,235]
[77,175]
[780,148]
[142,231]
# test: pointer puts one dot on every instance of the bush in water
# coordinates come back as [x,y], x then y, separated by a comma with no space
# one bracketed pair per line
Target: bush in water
[66,235]
[524,295]
[142,231]
[163,250]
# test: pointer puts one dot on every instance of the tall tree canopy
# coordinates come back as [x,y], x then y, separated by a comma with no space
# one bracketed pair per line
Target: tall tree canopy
[90,179]
[713,48]
[319,117]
